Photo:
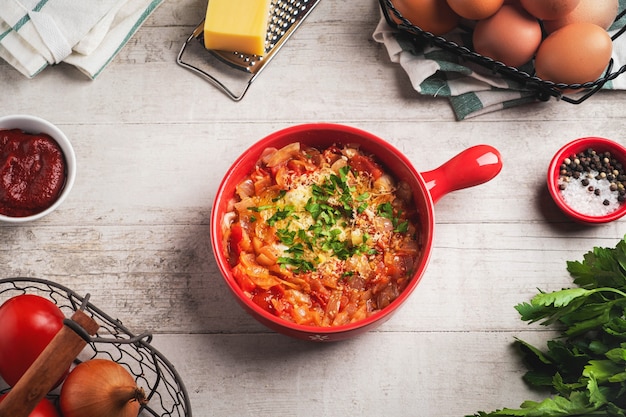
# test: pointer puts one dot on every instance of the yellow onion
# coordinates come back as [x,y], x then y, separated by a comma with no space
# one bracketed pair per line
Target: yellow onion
[101,388]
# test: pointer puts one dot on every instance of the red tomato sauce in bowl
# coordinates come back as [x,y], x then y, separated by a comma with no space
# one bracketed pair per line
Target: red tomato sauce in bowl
[321,237]
[32,172]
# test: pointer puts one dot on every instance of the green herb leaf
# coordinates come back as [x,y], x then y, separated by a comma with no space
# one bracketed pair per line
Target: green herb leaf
[280,195]
[280,214]
[559,298]
[602,370]
[402,227]
[385,210]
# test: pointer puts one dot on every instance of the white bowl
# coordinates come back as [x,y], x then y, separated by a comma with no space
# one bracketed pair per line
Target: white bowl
[35,125]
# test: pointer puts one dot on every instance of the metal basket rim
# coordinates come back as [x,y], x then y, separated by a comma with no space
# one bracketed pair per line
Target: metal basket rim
[139,340]
[543,88]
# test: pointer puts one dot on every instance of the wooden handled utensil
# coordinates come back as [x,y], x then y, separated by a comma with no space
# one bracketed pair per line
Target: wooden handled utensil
[50,366]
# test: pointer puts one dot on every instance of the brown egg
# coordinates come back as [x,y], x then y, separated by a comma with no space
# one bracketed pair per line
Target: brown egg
[433,16]
[575,54]
[510,36]
[475,9]
[549,9]
[600,12]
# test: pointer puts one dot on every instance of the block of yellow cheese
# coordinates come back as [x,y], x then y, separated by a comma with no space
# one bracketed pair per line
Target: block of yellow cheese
[237,25]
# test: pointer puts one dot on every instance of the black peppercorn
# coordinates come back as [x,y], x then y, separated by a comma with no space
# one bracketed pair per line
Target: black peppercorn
[589,165]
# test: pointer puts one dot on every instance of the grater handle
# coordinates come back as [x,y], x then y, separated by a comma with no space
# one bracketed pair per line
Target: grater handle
[207,76]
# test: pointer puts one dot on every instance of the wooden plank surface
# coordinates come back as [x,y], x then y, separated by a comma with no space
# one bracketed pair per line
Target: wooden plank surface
[153,141]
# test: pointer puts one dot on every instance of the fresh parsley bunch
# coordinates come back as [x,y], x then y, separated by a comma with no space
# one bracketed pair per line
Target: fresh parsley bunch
[585,368]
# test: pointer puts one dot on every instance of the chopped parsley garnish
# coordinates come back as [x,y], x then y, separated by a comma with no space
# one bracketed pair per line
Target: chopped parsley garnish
[280,214]
[281,194]
[286,236]
[332,206]
[386,210]
[260,208]
[402,227]
[297,259]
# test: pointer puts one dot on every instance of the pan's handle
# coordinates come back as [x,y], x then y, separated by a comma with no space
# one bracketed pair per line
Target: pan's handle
[473,166]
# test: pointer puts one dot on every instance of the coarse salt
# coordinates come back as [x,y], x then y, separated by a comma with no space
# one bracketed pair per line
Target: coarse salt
[579,197]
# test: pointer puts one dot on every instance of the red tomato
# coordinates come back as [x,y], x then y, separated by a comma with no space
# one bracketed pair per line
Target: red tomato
[236,239]
[264,299]
[243,280]
[28,323]
[261,179]
[364,164]
[45,408]
[268,299]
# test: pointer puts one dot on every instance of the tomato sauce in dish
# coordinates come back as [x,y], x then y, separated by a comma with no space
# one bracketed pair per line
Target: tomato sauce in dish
[32,172]
[321,237]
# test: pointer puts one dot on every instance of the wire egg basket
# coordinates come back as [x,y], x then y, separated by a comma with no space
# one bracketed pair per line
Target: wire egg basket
[166,393]
[544,89]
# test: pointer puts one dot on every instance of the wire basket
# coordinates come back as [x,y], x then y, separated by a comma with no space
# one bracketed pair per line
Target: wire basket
[164,389]
[544,89]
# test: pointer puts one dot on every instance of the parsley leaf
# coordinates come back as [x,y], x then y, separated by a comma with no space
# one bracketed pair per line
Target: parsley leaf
[385,210]
[280,214]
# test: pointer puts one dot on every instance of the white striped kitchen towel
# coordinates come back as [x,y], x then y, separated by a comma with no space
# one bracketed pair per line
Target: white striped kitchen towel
[85,33]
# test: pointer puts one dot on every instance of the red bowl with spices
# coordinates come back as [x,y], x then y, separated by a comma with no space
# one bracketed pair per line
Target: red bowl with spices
[37,168]
[322,231]
[587,180]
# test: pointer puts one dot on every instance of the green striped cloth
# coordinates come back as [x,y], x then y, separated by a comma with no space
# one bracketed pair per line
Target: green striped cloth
[471,89]
[87,34]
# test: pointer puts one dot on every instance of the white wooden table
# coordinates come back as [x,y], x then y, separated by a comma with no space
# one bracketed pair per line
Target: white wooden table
[153,141]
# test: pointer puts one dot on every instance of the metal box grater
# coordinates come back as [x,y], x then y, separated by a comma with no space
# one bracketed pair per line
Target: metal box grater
[233,72]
